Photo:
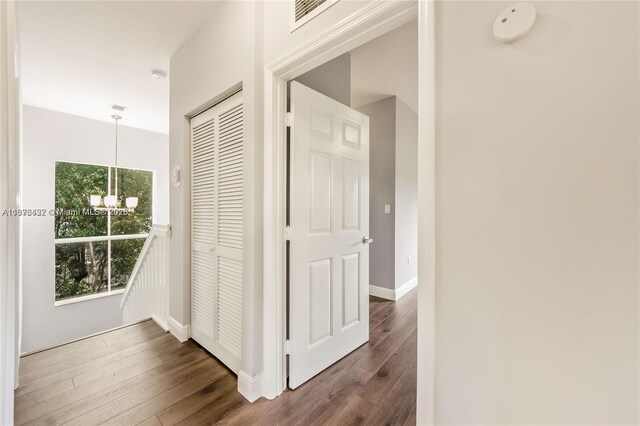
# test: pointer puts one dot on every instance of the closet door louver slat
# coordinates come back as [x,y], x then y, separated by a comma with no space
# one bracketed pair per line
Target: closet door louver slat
[203,261]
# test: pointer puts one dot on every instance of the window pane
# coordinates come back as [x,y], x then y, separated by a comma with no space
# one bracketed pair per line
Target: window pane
[81,269]
[74,184]
[124,254]
[133,183]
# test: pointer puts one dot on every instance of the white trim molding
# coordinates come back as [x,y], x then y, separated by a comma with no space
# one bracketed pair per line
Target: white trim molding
[180,331]
[393,294]
[382,292]
[161,323]
[10,198]
[248,386]
[406,287]
[426,389]
[88,297]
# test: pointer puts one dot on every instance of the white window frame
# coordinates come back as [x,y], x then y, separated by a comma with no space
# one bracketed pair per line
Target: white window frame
[107,238]
[315,12]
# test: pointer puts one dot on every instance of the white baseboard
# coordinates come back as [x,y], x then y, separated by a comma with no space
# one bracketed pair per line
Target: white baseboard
[406,287]
[250,387]
[181,332]
[385,293]
[162,323]
[389,294]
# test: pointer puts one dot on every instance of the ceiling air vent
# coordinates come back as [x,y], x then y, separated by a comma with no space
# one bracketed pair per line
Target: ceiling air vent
[305,10]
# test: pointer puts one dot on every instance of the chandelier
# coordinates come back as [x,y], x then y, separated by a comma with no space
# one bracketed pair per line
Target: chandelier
[110,202]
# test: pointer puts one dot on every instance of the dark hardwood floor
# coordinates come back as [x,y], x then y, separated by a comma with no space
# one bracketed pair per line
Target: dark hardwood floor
[142,375]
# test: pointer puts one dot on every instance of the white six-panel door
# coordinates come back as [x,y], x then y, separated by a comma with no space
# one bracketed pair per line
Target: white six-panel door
[217,230]
[329,261]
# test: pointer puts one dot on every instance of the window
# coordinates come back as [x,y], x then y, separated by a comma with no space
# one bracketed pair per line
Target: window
[96,251]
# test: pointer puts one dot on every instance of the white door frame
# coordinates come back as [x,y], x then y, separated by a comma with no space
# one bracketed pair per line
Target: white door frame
[373,20]
[10,196]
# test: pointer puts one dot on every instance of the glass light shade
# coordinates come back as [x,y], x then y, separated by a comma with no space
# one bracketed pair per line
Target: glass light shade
[95,200]
[110,201]
[132,202]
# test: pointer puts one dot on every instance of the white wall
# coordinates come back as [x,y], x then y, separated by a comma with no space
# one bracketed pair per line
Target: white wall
[406,195]
[332,79]
[537,216]
[221,55]
[384,67]
[393,180]
[387,66]
[382,190]
[51,136]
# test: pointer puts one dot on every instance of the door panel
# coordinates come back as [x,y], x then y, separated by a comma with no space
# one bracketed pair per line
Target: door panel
[217,156]
[329,202]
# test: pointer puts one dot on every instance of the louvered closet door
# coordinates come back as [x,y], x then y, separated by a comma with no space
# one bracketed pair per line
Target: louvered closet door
[217,230]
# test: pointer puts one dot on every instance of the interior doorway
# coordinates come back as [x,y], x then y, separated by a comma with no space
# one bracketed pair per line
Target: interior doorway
[377,81]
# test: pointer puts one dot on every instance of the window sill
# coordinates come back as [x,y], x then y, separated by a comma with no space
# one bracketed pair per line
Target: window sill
[89,297]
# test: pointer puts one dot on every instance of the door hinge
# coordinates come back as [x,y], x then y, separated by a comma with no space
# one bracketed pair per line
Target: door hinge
[287,233]
[288,119]
[287,347]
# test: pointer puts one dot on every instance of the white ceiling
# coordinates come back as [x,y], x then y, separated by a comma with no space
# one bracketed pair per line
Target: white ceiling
[80,57]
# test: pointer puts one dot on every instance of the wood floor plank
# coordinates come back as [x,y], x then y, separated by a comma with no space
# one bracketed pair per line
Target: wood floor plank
[99,392]
[163,343]
[411,420]
[78,351]
[76,394]
[41,381]
[336,399]
[377,303]
[151,421]
[376,390]
[403,305]
[397,409]
[147,406]
[295,404]
[249,414]
[147,328]
[390,323]
[377,356]
[355,411]
[210,395]
[142,375]
[93,341]
[43,394]
[92,408]
[149,356]
[44,357]
[216,410]
[97,357]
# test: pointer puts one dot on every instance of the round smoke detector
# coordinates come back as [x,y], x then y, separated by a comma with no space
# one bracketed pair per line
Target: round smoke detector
[158,74]
[514,22]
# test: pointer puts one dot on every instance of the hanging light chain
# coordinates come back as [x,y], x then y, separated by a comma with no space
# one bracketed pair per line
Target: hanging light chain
[116,117]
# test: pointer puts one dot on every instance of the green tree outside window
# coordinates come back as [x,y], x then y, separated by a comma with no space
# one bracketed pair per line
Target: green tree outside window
[101,264]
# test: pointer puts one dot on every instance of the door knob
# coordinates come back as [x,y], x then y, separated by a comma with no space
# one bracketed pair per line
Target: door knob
[366,240]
